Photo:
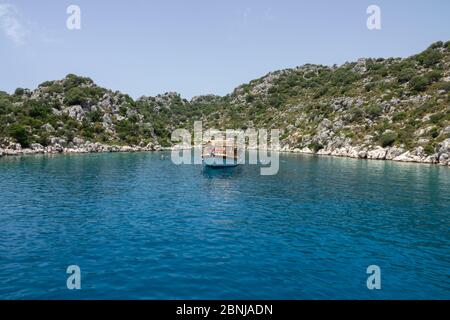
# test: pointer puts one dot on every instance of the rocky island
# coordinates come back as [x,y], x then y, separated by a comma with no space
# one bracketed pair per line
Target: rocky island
[387,109]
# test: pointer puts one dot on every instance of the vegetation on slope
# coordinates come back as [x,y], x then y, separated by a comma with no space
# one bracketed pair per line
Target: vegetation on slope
[374,102]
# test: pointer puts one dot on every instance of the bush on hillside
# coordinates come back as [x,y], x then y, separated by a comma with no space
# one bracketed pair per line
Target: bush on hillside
[387,139]
[94,116]
[315,146]
[399,116]
[418,84]
[72,81]
[433,76]
[37,109]
[19,92]
[20,134]
[5,104]
[374,111]
[429,57]
[406,75]
[75,96]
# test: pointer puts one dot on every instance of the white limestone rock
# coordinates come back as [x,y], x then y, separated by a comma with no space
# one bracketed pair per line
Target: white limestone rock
[377,154]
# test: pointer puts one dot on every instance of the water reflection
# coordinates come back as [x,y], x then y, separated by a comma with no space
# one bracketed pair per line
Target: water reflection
[221,173]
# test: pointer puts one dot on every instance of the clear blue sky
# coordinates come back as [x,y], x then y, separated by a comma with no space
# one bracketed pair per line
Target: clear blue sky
[194,47]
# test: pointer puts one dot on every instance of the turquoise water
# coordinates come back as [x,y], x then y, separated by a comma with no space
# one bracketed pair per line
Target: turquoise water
[140,227]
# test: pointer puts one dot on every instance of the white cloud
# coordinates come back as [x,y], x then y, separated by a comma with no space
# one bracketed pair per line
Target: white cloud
[10,24]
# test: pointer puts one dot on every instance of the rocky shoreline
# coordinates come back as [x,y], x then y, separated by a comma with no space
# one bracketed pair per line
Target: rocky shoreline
[15,149]
[391,154]
[442,157]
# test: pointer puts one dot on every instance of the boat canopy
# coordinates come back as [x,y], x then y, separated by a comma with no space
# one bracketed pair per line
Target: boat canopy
[220,143]
[219,148]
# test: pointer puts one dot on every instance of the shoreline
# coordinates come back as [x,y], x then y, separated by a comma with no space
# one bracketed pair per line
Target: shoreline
[382,154]
[96,148]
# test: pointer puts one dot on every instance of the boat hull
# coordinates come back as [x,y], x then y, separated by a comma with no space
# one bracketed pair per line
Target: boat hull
[219,162]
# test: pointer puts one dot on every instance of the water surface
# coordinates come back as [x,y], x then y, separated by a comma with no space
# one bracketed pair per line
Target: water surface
[141,227]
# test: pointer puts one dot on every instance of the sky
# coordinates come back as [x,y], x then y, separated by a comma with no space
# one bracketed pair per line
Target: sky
[195,47]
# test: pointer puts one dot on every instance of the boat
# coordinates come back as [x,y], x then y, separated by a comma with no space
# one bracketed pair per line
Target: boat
[215,155]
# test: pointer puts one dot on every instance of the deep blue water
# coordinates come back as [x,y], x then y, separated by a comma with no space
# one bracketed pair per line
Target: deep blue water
[140,227]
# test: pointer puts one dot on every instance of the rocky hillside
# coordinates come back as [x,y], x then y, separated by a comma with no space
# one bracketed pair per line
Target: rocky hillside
[374,108]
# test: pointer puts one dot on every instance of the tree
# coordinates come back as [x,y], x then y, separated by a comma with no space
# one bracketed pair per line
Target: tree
[37,109]
[5,104]
[20,134]
[19,92]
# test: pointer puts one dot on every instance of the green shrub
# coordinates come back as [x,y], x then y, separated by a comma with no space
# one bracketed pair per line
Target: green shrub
[429,57]
[52,87]
[275,101]
[418,83]
[434,133]
[406,75]
[98,128]
[5,105]
[387,139]
[47,84]
[75,96]
[70,135]
[127,98]
[44,139]
[433,76]
[315,146]
[437,117]
[356,114]
[374,111]
[19,92]
[399,116]
[72,81]
[443,86]
[435,45]
[406,136]
[344,76]
[87,130]
[128,131]
[37,109]
[20,134]
[370,86]
[383,71]
[249,98]
[432,58]
[94,116]
[429,149]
